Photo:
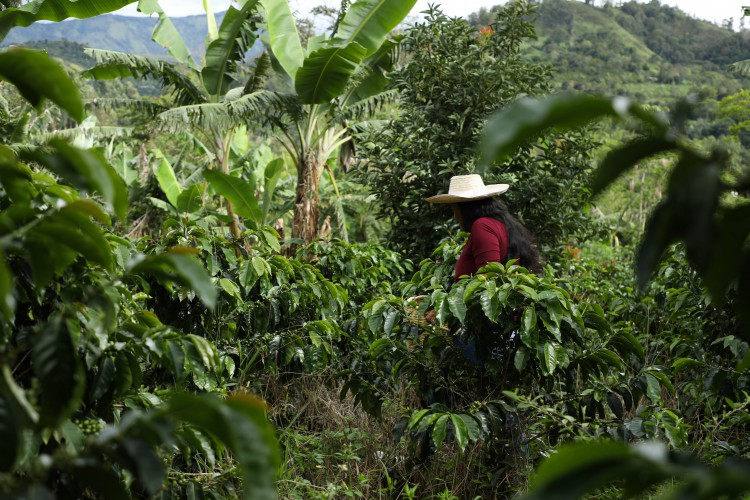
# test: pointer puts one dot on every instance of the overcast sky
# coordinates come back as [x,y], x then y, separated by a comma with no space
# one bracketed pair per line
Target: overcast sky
[712,10]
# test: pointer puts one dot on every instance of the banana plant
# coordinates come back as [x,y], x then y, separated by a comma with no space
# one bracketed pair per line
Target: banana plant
[337,80]
[182,199]
[209,101]
[267,171]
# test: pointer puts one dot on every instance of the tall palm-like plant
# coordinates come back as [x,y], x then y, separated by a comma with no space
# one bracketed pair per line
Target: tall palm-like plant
[208,100]
[337,79]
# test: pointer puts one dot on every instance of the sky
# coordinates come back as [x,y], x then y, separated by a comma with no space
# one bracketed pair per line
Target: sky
[711,10]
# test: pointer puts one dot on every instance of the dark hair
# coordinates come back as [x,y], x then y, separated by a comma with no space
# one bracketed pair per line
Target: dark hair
[520,242]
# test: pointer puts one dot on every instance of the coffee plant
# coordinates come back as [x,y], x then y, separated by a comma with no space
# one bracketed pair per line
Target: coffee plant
[163,336]
[711,228]
[93,381]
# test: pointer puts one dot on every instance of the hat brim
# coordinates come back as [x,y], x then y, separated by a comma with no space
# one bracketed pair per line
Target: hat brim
[491,190]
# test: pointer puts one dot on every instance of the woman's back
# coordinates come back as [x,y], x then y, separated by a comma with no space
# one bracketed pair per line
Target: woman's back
[488,243]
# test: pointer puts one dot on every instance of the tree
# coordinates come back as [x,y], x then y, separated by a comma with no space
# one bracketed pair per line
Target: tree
[455,77]
[736,108]
[207,100]
[336,80]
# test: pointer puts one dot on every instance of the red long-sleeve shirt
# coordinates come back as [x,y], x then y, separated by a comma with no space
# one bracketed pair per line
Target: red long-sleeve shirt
[488,242]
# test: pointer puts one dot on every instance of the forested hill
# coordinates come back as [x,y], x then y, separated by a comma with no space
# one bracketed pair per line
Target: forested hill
[120,33]
[664,31]
[634,31]
[645,49]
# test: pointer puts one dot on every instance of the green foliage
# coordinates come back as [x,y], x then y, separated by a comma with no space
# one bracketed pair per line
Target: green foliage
[699,211]
[709,43]
[281,310]
[736,108]
[92,392]
[167,179]
[283,37]
[223,53]
[237,191]
[178,268]
[166,35]
[584,468]
[325,72]
[690,212]
[110,65]
[130,332]
[632,49]
[455,78]
[508,355]
[30,70]
[87,170]
[369,23]
[365,270]
[504,328]
[516,124]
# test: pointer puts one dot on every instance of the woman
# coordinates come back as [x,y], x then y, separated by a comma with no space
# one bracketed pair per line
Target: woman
[496,236]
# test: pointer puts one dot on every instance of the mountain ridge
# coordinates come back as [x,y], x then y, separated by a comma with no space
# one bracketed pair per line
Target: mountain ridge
[651,51]
[114,32]
[648,50]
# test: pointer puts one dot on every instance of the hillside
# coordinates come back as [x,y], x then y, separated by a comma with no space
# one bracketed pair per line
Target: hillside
[651,51]
[120,33]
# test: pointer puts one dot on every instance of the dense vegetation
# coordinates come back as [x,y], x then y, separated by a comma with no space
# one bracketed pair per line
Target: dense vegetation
[218,276]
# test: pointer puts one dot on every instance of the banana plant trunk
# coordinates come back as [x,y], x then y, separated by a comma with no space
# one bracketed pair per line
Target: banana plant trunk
[307,201]
[222,147]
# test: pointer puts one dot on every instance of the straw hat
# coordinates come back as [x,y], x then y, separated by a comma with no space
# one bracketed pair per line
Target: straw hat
[468,188]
